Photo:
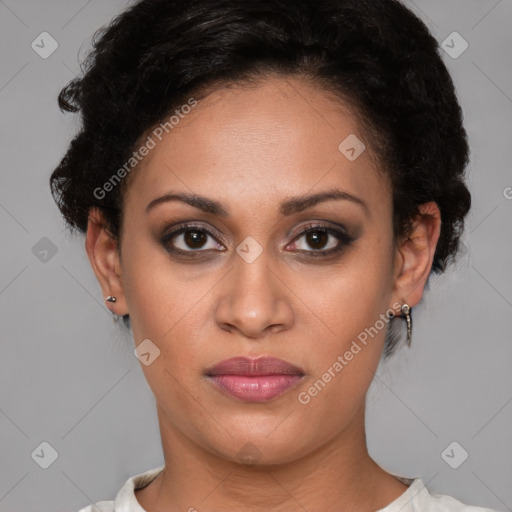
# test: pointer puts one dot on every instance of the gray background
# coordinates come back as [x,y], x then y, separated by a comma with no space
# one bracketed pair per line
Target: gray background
[69,376]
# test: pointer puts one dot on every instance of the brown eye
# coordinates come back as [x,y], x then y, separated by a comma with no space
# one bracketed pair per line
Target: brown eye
[320,240]
[317,239]
[194,239]
[190,239]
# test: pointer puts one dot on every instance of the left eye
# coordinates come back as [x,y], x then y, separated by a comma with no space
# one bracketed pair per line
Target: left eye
[321,239]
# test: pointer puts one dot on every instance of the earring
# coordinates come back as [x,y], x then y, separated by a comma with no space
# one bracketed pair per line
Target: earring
[111,298]
[407,311]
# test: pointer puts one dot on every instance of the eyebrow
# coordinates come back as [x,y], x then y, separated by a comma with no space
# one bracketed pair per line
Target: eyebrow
[288,207]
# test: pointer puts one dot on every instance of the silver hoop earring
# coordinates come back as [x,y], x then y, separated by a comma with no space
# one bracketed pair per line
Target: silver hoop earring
[407,311]
[110,298]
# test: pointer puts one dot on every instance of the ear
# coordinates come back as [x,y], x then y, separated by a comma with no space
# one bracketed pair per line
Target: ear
[415,254]
[103,255]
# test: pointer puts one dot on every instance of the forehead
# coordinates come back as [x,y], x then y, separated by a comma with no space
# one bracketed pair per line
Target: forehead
[275,138]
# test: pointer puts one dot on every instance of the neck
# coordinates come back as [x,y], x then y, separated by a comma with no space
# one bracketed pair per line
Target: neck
[339,475]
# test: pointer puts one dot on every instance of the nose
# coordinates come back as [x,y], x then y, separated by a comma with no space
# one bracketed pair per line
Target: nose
[254,300]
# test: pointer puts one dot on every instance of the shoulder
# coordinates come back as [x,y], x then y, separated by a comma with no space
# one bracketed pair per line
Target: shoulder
[445,503]
[418,498]
[104,506]
[125,499]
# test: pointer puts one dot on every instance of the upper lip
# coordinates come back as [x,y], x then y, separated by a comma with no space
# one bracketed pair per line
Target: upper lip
[259,366]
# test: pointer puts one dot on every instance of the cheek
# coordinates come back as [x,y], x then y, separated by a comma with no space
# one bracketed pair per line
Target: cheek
[154,298]
[167,308]
[346,356]
[169,302]
[352,295]
[353,326]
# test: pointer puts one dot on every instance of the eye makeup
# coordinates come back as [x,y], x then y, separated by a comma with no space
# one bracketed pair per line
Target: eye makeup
[193,240]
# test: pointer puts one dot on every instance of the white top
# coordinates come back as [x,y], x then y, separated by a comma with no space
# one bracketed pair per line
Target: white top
[415,499]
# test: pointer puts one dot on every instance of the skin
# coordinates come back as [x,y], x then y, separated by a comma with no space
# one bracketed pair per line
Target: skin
[250,148]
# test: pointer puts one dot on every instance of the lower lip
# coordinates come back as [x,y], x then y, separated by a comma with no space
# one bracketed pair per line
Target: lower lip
[258,388]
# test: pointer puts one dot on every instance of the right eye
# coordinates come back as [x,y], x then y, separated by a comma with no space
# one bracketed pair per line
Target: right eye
[190,238]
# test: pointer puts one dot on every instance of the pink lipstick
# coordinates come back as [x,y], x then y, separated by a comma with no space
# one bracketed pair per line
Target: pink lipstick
[254,380]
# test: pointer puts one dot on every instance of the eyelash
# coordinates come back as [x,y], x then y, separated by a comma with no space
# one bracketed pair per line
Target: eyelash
[344,239]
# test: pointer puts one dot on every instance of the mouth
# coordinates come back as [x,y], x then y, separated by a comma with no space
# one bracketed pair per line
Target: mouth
[254,380]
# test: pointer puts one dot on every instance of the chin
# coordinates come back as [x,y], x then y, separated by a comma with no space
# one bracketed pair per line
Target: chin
[258,448]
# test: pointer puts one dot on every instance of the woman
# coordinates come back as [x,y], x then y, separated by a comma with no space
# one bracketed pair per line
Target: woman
[263,187]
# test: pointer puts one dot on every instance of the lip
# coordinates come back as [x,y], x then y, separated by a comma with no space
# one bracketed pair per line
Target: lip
[254,380]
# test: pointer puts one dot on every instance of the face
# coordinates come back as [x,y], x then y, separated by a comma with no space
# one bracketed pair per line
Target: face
[259,270]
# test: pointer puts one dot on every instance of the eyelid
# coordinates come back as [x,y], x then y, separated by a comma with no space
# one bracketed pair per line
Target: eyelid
[183,226]
[339,232]
[327,225]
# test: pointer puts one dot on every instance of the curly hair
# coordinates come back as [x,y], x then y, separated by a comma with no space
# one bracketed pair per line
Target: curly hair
[375,54]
